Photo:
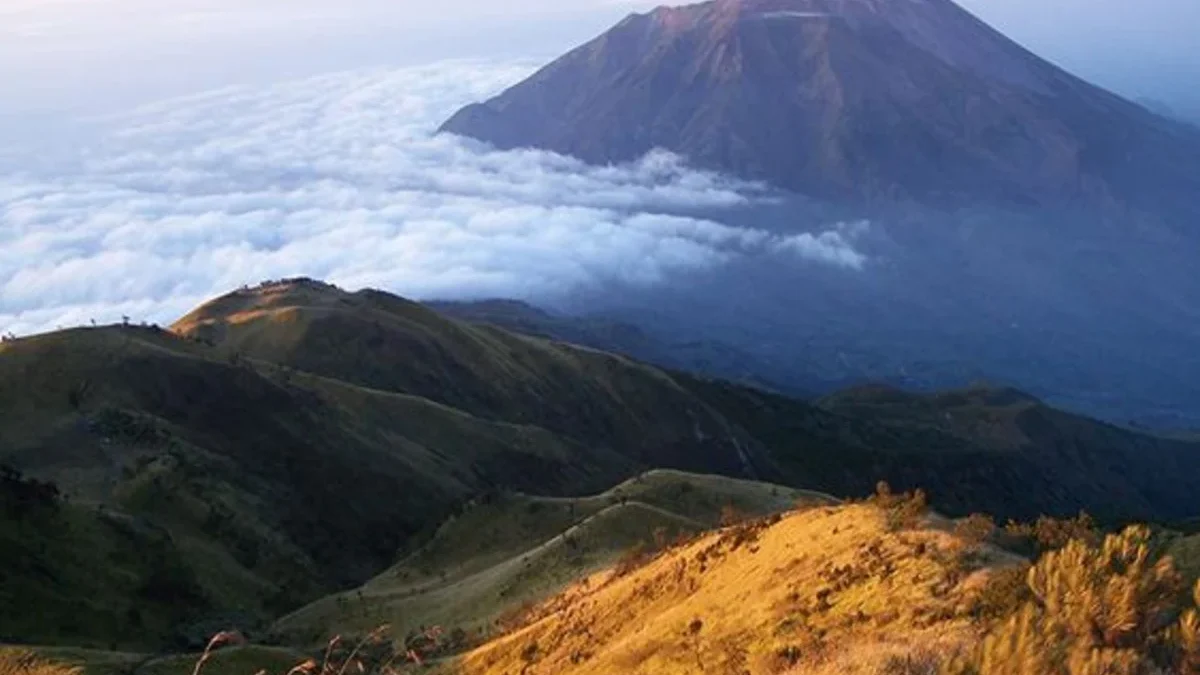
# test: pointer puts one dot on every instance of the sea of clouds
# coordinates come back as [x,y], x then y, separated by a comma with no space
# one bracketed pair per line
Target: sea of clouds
[341,177]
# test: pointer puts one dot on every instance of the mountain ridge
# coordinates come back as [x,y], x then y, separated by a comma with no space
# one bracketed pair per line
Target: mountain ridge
[290,440]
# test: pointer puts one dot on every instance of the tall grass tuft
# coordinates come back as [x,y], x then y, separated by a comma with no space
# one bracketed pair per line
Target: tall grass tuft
[22,662]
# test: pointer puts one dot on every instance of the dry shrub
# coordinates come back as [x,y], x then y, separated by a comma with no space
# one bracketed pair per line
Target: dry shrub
[904,510]
[1049,534]
[730,516]
[632,560]
[976,529]
[515,618]
[373,654]
[22,662]
[1004,594]
[1110,608]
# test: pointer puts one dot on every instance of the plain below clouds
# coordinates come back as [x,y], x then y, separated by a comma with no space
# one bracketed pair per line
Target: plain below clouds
[340,177]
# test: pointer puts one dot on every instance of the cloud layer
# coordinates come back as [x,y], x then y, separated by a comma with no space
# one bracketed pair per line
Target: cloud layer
[340,177]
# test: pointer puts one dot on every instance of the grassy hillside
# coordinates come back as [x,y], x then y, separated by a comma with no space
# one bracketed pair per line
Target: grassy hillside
[507,550]
[865,589]
[984,449]
[271,486]
[833,587]
[285,443]
[386,343]
[88,576]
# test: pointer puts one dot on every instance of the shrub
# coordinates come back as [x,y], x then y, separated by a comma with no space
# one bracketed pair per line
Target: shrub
[730,516]
[22,662]
[1005,593]
[1107,608]
[632,559]
[904,510]
[1049,534]
[919,663]
[975,529]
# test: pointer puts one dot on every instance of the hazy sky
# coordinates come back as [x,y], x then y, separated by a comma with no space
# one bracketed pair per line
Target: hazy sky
[91,55]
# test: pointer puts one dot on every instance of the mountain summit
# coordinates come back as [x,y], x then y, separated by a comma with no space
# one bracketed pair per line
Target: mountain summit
[848,100]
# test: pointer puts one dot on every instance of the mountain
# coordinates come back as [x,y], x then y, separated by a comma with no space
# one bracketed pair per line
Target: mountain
[847,100]
[287,442]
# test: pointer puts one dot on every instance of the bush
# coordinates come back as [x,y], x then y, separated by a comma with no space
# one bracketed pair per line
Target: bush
[1005,593]
[904,510]
[975,529]
[22,662]
[1049,534]
[1107,608]
[631,560]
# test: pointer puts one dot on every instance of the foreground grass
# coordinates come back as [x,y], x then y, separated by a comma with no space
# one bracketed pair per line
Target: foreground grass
[22,662]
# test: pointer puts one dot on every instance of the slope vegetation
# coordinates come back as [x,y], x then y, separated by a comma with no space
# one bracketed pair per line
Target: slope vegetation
[830,590]
[290,441]
[506,550]
[385,343]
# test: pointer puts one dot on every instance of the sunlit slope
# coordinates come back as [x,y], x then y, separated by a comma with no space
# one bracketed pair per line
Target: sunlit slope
[823,590]
[506,550]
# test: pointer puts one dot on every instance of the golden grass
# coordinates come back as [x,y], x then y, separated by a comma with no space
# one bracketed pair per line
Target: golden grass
[23,662]
[825,590]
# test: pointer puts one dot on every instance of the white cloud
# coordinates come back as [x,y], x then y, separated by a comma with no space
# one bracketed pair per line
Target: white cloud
[834,246]
[340,177]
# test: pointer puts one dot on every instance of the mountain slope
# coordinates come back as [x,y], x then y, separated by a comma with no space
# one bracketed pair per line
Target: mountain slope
[834,588]
[986,449]
[385,343]
[294,440]
[507,550]
[847,100]
[271,486]
[690,355]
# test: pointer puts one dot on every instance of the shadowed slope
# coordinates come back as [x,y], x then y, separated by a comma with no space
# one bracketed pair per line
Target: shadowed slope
[387,343]
[271,486]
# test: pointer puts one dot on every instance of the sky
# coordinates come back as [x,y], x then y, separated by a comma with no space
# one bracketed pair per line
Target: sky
[154,154]
[98,54]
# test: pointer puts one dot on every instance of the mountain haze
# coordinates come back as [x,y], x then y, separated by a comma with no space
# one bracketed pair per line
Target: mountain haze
[877,100]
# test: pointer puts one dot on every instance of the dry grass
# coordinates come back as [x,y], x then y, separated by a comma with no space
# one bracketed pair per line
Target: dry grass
[21,662]
[826,590]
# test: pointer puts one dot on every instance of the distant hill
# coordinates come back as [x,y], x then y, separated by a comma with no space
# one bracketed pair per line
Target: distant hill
[379,341]
[848,100]
[287,442]
[703,356]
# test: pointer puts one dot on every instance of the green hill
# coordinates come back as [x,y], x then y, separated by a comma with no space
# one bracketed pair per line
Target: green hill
[510,549]
[385,343]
